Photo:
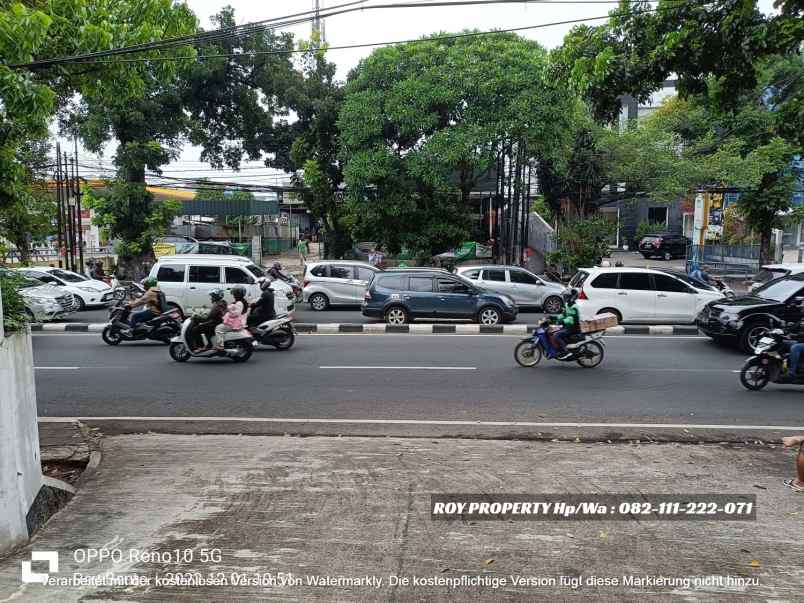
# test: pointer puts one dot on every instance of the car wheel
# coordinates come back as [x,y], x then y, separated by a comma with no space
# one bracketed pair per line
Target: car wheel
[750,336]
[80,305]
[489,316]
[553,305]
[397,315]
[319,302]
[646,256]
[611,311]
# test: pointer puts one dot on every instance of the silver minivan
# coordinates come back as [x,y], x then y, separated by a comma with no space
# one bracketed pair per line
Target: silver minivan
[336,282]
[526,289]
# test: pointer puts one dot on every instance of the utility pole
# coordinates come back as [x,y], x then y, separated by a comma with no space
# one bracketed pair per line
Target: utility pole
[70,215]
[59,208]
[77,191]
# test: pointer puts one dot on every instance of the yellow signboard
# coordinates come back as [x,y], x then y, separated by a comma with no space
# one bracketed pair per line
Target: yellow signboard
[161,249]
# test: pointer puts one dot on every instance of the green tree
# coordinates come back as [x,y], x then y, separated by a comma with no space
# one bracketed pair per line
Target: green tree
[423,122]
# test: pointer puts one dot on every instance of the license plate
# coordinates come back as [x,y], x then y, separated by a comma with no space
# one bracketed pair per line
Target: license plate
[766,340]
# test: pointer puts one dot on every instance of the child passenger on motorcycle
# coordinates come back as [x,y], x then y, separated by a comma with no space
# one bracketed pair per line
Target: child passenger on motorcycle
[569,319]
[234,319]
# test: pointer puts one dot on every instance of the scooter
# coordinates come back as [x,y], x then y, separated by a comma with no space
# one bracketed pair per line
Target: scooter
[237,345]
[587,349]
[160,328]
[724,289]
[278,332]
[769,364]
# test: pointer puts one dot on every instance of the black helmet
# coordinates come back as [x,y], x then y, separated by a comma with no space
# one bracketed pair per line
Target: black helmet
[570,295]
[277,266]
[239,292]
[216,295]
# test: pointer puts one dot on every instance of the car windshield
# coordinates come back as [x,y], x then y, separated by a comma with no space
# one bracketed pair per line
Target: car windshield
[29,281]
[781,290]
[765,275]
[691,281]
[256,270]
[578,280]
[69,276]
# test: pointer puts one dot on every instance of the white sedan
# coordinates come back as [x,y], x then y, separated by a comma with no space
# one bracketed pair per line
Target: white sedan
[88,292]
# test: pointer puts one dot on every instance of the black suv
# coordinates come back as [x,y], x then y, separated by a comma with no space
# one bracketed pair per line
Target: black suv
[399,296]
[665,246]
[745,320]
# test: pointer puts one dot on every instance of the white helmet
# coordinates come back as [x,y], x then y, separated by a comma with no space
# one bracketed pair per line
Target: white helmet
[265,282]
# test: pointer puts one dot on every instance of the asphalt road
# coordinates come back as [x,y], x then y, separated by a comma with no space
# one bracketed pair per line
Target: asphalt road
[669,380]
[341,314]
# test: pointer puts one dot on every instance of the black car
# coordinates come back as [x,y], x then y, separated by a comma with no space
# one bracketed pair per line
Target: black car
[744,320]
[399,296]
[666,246]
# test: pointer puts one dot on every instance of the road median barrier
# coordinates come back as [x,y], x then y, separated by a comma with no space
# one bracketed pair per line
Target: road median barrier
[411,329]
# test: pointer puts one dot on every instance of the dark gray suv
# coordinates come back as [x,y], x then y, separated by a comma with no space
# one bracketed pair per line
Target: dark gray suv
[400,296]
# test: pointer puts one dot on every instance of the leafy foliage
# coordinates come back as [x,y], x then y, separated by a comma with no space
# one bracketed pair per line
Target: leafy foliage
[581,242]
[423,122]
[646,228]
[15,318]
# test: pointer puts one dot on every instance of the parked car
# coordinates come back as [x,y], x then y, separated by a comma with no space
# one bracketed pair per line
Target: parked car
[45,302]
[336,283]
[186,280]
[664,245]
[745,320]
[401,296]
[88,292]
[641,295]
[774,271]
[525,288]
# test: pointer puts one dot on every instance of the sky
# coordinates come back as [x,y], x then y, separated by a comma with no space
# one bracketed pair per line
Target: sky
[386,26]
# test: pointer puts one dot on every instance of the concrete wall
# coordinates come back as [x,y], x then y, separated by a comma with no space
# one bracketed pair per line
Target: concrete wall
[20,469]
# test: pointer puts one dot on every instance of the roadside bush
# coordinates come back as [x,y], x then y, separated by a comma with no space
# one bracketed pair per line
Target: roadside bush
[14,316]
[646,228]
[581,243]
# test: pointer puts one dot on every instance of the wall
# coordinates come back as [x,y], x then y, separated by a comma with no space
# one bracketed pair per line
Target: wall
[20,470]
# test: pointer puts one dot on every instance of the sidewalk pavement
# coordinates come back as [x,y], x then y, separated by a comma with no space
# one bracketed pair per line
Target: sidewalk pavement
[358,508]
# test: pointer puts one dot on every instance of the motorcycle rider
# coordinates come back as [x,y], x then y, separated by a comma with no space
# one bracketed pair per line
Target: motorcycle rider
[235,317]
[275,272]
[794,343]
[569,319]
[154,301]
[264,308]
[207,325]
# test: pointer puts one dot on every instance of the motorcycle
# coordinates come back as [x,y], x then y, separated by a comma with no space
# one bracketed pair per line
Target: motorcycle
[237,345]
[278,332]
[724,289]
[587,349]
[769,363]
[160,328]
[291,281]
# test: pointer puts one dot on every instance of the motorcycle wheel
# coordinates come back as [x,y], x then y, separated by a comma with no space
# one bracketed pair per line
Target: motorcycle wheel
[244,351]
[287,342]
[527,353]
[590,355]
[754,375]
[179,352]
[111,336]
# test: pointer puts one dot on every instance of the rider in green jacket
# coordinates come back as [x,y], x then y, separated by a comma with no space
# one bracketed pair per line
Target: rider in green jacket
[569,319]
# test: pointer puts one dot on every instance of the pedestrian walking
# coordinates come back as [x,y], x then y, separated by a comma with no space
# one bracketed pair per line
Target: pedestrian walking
[303,248]
[796,484]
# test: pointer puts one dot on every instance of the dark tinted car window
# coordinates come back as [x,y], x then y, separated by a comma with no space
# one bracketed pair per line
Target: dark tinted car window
[635,281]
[174,273]
[450,286]
[344,272]
[494,275]
[517,276]
[205,274]
[237,276]
[606,281]
[579,279]
[319,270]
[421,283]
[395,283]
[670,284]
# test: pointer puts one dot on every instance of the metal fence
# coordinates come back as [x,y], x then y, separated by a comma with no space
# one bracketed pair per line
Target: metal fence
[725,259]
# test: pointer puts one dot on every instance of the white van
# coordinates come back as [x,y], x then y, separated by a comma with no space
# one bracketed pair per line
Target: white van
[187,279]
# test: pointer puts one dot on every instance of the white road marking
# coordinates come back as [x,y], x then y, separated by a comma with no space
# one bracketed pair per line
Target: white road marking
[404,368]
[57,368]
[430,422]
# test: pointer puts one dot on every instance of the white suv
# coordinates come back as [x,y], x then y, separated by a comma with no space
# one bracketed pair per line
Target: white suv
[338,282]
[88,292]
[186,280]
[641,294]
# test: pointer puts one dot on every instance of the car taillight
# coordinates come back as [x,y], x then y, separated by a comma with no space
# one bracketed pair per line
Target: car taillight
[367,296]
[657,243]
[306,282]
[582,295]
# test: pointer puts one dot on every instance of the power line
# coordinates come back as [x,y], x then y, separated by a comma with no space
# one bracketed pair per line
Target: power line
[259,26]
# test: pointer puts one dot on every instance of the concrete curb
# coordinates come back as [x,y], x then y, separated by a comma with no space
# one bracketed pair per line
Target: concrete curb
[411,329]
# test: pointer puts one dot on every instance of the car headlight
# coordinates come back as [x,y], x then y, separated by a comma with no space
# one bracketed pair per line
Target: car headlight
[88,289]
[41,300]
